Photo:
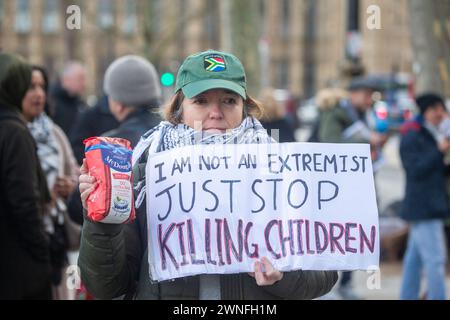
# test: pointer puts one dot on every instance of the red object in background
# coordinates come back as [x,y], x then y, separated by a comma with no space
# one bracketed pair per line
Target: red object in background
[109,161]
[382,113]
[407,114]
[83,294]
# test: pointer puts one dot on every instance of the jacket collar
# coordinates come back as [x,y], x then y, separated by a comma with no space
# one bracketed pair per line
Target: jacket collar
[9,114]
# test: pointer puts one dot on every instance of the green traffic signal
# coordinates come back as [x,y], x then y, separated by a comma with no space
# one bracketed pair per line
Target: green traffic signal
[167,79]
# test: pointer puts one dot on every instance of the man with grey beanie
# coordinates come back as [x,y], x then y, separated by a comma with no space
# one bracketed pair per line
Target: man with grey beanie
[133,90]
[132,85]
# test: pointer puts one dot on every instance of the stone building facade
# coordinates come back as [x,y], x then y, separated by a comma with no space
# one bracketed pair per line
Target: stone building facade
[298,45]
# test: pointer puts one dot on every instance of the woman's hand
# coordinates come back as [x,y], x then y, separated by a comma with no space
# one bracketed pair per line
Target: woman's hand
[267,277]
[87,184]
[64,187]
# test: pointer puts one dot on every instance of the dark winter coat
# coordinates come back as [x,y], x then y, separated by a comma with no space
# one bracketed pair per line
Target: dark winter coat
[285,130]
[135,125]
[24,247]
[91,123]
[66,108]
[425,195]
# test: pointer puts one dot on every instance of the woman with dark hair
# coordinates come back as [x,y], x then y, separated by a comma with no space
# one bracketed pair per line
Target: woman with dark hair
[60,169]
[24,247]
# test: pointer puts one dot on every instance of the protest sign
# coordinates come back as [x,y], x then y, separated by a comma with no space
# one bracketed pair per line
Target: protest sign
[218,208]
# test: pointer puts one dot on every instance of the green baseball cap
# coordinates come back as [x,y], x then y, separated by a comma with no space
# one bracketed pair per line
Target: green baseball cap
[211,70]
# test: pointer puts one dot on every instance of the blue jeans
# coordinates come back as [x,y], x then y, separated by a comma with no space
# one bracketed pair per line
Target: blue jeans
[426,250]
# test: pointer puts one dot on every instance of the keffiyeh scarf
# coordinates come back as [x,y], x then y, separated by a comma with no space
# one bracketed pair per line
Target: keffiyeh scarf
[41,129]
[167,136]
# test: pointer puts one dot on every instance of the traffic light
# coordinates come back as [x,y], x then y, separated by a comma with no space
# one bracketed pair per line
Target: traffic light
[167,79]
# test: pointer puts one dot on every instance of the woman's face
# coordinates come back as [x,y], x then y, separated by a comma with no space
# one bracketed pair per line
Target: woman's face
[213,111]
[34,102]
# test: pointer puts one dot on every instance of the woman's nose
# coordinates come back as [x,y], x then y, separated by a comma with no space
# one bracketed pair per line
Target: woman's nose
[40,92]
[215,111]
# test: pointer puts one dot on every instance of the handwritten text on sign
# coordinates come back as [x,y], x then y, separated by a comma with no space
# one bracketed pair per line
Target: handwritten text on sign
[217,208]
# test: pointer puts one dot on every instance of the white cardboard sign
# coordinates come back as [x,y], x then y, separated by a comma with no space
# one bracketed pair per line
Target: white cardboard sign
[218,208]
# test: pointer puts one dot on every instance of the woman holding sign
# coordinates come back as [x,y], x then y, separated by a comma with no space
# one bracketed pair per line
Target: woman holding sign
[211,106]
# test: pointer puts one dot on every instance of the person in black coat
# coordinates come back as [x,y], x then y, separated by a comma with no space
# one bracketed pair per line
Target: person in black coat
[274,119]
[66,96]
[425,206]
[24,248]
[133,90]
[91,123]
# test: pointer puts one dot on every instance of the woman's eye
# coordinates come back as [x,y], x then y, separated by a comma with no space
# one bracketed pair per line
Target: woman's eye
[230,101]
[200,101]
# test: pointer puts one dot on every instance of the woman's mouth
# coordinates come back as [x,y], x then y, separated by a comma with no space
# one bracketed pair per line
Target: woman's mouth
[215,130]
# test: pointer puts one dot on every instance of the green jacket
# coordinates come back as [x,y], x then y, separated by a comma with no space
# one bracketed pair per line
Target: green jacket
[113,262]
[334,120]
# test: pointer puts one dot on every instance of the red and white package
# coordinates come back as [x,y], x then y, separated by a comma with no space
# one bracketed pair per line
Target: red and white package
[109,161]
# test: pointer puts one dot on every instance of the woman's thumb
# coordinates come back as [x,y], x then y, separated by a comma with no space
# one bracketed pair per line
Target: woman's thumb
[83,169]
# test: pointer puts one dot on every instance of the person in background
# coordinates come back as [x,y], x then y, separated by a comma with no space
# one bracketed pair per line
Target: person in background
[24,246]
[344,117]
[134,94]
[444,129]
[425,205]
[274,118]
[60,169]
[334,116]
[91,123]
[66,96]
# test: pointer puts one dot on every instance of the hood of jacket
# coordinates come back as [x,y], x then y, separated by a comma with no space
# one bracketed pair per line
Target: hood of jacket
[329,98]
[15,80]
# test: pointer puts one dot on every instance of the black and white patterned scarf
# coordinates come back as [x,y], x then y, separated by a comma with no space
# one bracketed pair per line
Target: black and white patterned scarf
[41,129]
[167,136]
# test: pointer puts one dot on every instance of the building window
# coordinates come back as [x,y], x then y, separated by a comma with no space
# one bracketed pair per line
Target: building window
[130,21]
[262,16]
[50,22]
[354,40]
[262,8]
[353,15]
[156,13]
[285,21]
[181,27]
[105,14]
[283,74]
[1,14]
[210,23]
[23,18]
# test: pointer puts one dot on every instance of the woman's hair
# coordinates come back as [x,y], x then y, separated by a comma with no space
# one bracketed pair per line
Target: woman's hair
[48,110]
[273,109]
[172,111]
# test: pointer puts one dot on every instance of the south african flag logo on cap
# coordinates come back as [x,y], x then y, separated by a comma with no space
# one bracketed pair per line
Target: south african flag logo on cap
[214,63]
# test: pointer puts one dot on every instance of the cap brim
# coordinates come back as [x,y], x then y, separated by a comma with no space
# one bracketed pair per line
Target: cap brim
[195,88]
